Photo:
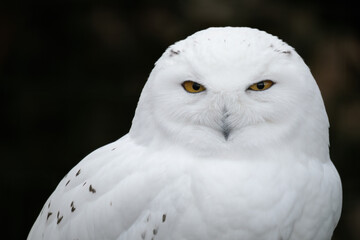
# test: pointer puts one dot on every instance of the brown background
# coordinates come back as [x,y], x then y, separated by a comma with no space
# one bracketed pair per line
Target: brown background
[71,73]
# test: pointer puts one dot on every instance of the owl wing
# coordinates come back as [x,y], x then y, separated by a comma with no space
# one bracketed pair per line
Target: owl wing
[115,192]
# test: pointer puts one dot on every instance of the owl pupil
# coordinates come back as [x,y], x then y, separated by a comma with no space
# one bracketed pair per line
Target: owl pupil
[260,85]
[196,86]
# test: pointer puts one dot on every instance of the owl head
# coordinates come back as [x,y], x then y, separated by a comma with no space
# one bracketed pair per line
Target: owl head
[232,90]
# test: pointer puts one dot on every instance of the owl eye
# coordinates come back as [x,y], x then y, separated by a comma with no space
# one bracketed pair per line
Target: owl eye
[193,87]
[261,86]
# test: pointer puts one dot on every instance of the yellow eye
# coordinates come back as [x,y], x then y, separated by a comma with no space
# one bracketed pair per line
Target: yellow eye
[193,87]
[261,86]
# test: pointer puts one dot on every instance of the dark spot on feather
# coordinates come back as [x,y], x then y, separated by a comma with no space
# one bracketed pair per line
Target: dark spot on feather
[163,217]
[148,218]
[174,52]
[155,231]
[287,52]
[91,189]
[110,203]
[59,219]
[113,149]
[143,235]
[48,215]
[49,204]
[78,172]
[67,183]
[72,206]
[283,51]
[84,183]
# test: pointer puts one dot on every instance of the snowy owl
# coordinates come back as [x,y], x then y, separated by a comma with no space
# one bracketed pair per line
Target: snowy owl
[229,141]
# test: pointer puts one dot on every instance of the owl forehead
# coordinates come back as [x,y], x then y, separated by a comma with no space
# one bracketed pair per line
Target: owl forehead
[229,44]
[232,55]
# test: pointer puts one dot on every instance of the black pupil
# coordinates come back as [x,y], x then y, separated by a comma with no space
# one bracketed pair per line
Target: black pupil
[196,86]
[260,85]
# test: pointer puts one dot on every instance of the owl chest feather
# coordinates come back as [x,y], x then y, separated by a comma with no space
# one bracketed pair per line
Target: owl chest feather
[225,199]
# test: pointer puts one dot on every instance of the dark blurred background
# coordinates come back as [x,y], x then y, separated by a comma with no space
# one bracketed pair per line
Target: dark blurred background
[71,73]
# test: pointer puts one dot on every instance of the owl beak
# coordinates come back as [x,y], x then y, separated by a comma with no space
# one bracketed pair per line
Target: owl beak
[225,127]
[226,132]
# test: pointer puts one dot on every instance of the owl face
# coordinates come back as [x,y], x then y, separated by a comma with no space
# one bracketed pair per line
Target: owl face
[231,89]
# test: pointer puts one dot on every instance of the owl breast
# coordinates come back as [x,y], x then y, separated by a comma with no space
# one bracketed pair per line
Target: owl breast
[259,200]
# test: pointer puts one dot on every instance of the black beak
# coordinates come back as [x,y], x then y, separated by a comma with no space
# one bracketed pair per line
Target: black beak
[225,127]
[226,133]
